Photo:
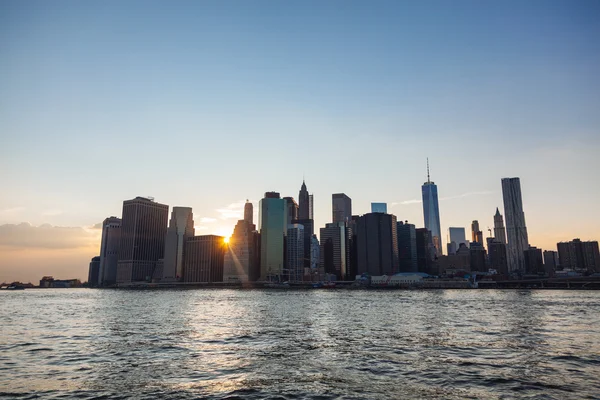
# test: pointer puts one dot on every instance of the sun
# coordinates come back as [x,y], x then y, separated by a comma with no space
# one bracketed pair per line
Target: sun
[226,239]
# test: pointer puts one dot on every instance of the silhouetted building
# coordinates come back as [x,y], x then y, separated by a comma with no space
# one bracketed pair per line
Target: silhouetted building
[181,227]
[379,208]
[303,202]
[341,208]
[309,231]
[431,212]
[272,227]
[579,256]
[311,207]
[143,231]
[407,247]
[335,249]
[425,251]
[249,212]
[109,251]
[478,257]
[456,237]
[204,259]
[315,252]
[499,230]
[291,208]
[241,262]
[516,229]
[295,252]
[377,244]
[93,272]
[474,230]
[534,263]
[497,256]
[454,263]
[551,260]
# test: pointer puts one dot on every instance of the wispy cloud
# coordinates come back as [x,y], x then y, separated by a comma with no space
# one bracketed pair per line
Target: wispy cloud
[12,210]
[207,220]
[233,210]
[458,196]
[50,213]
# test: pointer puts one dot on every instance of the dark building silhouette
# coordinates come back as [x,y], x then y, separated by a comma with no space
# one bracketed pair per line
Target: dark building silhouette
[248,212]
[497,256]
[291,209]
[534,263]
[94,271]
[341,208]
[377,242]
[204,259]
[143,231]
[425,251]
[109,251]
[242,258]
[579,256]
[309,231]
[551,260]
[407,247]
[303,203]
[478,257]
[335,249]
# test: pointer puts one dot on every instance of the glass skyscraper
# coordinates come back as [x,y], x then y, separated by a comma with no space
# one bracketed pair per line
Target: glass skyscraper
[431,212]
[516,230]
[272,219]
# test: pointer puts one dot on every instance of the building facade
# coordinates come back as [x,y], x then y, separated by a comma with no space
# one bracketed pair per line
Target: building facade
[379,208]
[431,212]
[303,202]
[425,251]
[499,230]
[579,256]
[273,227]
[204,259]
[109,251]
[497,256]
[407,247]
[551,260]
[377,244]
[248,212]
[335,249]
[456,236]
[181,227]
[94,271]
[534,263]
[241,262]
[291,210]
[142,243]
[341,208]
[295,252]
[516,229]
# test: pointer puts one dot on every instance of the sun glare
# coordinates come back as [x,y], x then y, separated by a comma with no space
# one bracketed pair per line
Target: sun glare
[226,239]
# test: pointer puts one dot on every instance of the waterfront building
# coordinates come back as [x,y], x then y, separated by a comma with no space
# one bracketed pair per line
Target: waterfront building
[551,260]
[335,249]
[499,230]
[431,212]
[377,244]
[181,227]
[109,251]
[291,209]
[249,212]
[204,259]
[303,202]
[407,247]
[272,228]
[241,262]
[94,271]
[478,257]
[295,252]
[341,208]
[579,256]
[516,229]
[497,256]
[534,263]
[379,208]
[425,251]
[142,243]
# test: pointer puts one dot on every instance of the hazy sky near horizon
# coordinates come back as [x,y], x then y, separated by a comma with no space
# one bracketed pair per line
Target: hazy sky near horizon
[207,103]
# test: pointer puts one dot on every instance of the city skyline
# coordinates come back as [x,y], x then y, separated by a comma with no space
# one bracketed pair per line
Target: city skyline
[215,101]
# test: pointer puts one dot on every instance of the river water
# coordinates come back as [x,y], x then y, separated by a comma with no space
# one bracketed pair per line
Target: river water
[321,344]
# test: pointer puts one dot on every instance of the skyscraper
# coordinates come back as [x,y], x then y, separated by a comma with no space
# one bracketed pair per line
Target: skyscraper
[204,258]
[181,227]
[550,260]
[431,212]
[499,231]
[341,208]
[272,227]
[311,206]
[377,244]
[93,272]
[143,231]
[425,250]
[456,237]
[109,251]
[534,263]
[248,212]
[516,229]
[407,247]
[474,231]
[241,255]
[291,209]
[379,208]
[315,252]
[295,252]
[335,249]
[303,203]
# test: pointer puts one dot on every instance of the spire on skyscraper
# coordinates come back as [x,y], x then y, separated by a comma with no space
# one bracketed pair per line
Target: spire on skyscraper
[428,180]
[497,212]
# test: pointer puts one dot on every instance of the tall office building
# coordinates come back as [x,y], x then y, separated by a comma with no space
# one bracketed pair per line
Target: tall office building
[425,251]
[497,256]
[272,228]
[475,231]
[303,202]
[478,257]
[579,256]
[181,227]
[315,252]
[143,231]
[499,231]
[377,244]
[407,247]
[204,259]
[341,208]
[456,236]
[248,212]
[534,263]
[379,208]
[516,229]
[431,212]
[241,263]
[550,260]
[291,209]
[311,206]
[335,249]
[94,272]
[109,251]
[295,252]
[309,231]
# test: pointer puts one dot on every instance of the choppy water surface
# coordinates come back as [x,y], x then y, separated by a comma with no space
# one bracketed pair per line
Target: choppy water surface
[80,343]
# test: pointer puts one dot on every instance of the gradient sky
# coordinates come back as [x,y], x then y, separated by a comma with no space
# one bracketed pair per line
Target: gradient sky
[207,103]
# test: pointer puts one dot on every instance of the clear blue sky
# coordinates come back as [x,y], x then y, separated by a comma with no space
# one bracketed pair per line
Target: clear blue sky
[204,104]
